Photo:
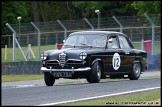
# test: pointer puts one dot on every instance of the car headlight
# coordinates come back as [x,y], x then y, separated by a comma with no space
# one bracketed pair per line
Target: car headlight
[44,56]
[83,55]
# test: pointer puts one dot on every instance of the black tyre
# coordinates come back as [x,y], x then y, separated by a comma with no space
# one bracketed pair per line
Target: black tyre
[49,79]
[95,74]
[136,71]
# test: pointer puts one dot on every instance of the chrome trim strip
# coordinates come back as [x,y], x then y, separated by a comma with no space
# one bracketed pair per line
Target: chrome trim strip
[52,60]
[72,69]
[73,60]
[67,59]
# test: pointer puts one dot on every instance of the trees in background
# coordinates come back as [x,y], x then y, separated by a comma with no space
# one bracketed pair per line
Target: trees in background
[11,10]
[149,7]
[44,11]
[107,8]
[51,10]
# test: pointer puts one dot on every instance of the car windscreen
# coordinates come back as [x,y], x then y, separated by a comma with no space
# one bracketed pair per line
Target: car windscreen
[94,40]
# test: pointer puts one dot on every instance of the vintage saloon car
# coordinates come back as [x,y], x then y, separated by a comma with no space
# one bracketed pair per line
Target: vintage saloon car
[94,55]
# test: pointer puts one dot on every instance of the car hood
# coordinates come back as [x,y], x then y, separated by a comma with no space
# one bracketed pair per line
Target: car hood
[71,53]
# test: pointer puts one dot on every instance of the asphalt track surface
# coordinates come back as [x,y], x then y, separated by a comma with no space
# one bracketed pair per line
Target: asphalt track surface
[18,93]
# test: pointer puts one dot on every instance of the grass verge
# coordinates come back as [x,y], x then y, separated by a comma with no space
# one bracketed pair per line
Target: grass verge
[149,98]
[13,78]
[18,53]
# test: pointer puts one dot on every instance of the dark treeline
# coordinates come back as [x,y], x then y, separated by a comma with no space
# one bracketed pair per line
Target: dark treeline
[44,11]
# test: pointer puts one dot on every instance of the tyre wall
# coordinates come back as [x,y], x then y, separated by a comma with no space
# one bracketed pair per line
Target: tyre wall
[18,68]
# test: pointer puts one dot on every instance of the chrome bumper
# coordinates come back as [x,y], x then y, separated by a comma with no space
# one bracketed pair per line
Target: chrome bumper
[63,70]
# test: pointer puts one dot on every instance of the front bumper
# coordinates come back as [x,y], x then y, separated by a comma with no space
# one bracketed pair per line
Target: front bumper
[65,70]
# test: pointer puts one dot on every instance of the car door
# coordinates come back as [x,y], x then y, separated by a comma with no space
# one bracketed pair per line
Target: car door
[114,55]
[128,53]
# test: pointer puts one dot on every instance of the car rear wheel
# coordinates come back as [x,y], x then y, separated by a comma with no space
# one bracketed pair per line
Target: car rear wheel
[95,74]
[49,79]
[136,71]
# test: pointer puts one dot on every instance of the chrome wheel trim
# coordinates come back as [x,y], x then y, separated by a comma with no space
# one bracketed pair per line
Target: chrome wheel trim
[98,72]
[136,69]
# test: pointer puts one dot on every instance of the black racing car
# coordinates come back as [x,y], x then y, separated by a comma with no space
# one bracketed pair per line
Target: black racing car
[94,55]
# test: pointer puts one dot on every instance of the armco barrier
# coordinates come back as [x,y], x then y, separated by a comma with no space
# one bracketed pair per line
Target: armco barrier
[20,68]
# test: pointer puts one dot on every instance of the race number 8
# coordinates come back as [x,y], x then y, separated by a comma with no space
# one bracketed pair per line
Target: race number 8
[116,61]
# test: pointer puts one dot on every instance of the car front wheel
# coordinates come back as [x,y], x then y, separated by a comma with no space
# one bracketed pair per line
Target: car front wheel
[136,71]
[49,79]
[95,74]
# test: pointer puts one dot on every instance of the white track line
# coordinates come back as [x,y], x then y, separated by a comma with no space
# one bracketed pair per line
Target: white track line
[127,92]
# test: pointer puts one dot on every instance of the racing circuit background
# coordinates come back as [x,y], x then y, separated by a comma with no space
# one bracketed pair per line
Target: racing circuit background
[143,31]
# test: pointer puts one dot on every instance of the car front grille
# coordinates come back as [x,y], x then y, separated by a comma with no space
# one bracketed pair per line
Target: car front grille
[53,64]
[73,63]
[68,64]
[62,58]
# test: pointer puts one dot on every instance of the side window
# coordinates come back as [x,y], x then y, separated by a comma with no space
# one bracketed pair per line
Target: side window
[123,42]
[112,42]
[99,41]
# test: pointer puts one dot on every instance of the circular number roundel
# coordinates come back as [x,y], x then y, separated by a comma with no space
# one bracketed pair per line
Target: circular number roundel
[116,61]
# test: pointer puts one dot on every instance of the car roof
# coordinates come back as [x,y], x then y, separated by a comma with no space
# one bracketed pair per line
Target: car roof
[97,32]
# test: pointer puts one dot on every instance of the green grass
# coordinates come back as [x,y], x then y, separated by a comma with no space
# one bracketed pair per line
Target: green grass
[19,56]
[148,97]
[155,76]
[12,78]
